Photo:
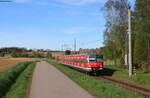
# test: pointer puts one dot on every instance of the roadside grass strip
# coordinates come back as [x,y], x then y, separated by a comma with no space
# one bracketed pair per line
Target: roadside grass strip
[139,78]
[98,88]
[21,87]
[7,78]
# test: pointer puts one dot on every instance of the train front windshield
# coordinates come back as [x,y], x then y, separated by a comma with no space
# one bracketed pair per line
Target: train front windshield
[95,58]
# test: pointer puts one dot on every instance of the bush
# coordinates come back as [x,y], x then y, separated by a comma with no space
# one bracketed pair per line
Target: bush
[19,55]
[146,67]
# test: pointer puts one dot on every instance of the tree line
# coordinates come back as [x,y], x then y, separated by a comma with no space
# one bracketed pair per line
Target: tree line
[23,52]
[116,35]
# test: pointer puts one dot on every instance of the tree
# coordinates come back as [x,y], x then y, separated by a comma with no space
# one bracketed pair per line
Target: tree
[142,33]
[67,52]
[115,34]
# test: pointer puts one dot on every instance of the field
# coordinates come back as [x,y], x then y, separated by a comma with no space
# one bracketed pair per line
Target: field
[6,62]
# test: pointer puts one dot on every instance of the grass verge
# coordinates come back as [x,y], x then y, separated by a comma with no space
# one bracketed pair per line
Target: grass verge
[98,88]
[7,78]
[139,78]
[21,87]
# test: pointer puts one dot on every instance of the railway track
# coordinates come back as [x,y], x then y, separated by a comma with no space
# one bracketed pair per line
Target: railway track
[134,87]
[139,89]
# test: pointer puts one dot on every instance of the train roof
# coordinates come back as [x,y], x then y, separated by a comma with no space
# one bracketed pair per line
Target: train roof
[86,54]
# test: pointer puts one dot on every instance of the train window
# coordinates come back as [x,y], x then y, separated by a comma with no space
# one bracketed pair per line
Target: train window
[92,59]
[95,59]
[99,60]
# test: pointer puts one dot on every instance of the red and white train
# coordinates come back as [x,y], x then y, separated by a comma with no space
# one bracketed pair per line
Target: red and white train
[87,62]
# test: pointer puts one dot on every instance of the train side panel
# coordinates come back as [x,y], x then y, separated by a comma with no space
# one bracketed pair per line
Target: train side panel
[80,62]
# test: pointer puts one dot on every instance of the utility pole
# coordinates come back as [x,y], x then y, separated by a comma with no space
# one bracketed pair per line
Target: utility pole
[75,46]
[62,47]
[130,41]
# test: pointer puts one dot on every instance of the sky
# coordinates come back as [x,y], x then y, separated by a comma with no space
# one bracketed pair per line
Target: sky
[51,24]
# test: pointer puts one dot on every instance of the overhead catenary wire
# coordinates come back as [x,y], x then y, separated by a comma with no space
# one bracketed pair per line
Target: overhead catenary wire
[74,46]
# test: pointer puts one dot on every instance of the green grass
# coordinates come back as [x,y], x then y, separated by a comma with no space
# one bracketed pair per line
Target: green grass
[139,78]
[7,78]
[21,87]
[98,88]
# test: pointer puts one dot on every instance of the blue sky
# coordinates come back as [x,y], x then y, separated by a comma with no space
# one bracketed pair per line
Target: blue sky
[48,24]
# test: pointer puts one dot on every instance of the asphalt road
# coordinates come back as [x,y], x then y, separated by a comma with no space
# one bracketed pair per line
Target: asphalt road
[48,82]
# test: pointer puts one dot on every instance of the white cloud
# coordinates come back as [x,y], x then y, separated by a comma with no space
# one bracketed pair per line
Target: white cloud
[21,1]
[55,2]
[74,30]
[79,30]
[48,4]
[81,2]
[38,2]
[81,13]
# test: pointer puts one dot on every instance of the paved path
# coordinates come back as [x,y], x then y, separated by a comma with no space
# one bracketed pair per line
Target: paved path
[48,82]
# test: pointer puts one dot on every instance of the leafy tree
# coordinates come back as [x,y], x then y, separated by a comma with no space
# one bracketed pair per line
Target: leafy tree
[116,35]
[67,52]
[116,29]
[142,33]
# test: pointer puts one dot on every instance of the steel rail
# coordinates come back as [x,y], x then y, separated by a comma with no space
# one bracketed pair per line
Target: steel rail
[134,87]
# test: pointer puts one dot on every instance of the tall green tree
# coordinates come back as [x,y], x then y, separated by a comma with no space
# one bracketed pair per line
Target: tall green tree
[142,33]
[116,29]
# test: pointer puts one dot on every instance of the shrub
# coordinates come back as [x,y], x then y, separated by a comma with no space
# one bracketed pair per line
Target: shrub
[146,66]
